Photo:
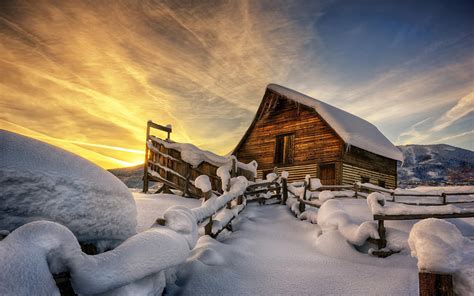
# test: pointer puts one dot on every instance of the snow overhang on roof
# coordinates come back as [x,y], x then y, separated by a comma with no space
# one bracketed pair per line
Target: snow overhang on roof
[353,130]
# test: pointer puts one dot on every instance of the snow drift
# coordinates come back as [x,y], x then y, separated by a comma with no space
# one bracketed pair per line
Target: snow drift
[441,248]
[42,182]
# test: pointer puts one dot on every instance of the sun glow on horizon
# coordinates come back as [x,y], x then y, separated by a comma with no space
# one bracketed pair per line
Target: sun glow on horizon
[87,76]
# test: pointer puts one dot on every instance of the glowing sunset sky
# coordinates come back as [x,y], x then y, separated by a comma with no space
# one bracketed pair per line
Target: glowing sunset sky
[87,75]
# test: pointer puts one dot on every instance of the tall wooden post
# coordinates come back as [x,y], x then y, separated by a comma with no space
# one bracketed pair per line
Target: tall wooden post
[302,205]
[234,168]
[435,284]
[382,242]
[284,192]
[443,195]
[208,227]
[145,167]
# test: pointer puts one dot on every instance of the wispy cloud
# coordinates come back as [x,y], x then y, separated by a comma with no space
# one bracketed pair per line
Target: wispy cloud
[87,76]
[462,108]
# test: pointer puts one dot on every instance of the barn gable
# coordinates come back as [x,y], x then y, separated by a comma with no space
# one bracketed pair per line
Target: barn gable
[314,141]
[304,136]
[354,130]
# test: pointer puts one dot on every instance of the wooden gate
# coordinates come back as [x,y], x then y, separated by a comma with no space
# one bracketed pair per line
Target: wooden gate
[164,163]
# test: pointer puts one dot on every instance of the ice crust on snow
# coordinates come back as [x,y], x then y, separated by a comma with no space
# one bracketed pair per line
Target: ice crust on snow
[353,130]
[42,182]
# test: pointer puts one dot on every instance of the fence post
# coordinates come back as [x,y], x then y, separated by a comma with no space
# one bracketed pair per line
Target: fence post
[356,189]
[187,175]
[302,206]
[234,168]
[284,192]
[443,195]
[435,284]
[208,228]
[393,196]
[145,167]
[382,242]
[240,199]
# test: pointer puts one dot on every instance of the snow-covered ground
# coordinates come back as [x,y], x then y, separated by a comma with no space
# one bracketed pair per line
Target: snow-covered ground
[271,252]
[153,206]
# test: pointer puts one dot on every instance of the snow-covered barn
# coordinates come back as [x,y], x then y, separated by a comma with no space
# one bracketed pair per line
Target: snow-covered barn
[302,135]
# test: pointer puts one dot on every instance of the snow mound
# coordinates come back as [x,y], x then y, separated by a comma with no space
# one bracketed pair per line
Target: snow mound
[326,195]
[376,202]
[42,182]
[202,182]
[332,216]
[352,129]
[437,245]
[441,248]
[43,247]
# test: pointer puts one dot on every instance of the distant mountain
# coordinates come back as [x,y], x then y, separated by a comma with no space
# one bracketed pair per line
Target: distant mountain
[436,164]
[424,165]
[131,176]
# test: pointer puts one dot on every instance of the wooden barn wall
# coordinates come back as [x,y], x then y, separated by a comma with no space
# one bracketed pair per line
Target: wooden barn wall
[370,161]
[352,174]
[296,172]
[299,172]
[315,142]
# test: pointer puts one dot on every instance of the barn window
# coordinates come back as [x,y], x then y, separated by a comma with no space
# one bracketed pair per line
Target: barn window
[381,183]
[364,179]
[284,146]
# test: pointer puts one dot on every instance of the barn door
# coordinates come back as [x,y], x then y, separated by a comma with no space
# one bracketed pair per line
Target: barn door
[327,174]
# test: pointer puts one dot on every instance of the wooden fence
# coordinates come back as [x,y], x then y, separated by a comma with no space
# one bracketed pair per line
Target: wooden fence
[165,165]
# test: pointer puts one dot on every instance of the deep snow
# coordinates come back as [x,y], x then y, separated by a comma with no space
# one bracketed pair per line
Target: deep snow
[42,182]
[272,253]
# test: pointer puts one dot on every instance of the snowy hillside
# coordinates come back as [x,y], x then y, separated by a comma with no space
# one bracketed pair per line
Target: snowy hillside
[131,176]
[428,164]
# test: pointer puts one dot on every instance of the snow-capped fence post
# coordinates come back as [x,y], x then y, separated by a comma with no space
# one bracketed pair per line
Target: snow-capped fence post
[435,284]
[234,168]
[443,195]
[208,228]
[356,190]
[145,166]
[284,192]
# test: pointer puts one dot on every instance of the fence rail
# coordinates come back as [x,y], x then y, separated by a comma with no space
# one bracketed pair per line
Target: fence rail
[164,163]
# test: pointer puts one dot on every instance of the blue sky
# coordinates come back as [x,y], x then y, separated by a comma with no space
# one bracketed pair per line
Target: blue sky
[86,76]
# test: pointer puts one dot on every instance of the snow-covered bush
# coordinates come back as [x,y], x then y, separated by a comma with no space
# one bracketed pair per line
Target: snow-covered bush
[42,182]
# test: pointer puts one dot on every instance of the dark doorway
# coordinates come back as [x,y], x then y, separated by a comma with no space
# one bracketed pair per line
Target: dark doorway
[284,147]
[327,174]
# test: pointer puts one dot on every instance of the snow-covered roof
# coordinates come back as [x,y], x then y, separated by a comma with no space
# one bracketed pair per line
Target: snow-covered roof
[353,130]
